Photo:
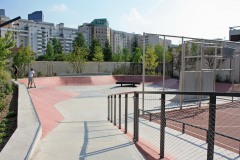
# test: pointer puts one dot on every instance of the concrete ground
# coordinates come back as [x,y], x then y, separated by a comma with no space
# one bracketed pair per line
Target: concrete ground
[84,132]
[74,123]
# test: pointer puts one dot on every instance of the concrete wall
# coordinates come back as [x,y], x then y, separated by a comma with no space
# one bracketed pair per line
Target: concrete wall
[61,68]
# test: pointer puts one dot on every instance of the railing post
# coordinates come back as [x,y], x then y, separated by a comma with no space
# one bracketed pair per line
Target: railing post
[136,111]
[211,127]
[108,108]
[115,103]
[183,128]
[163,125]
[120,111]
[126,112]
[111,109]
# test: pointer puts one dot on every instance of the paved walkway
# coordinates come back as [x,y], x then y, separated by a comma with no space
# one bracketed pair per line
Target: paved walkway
[75,125]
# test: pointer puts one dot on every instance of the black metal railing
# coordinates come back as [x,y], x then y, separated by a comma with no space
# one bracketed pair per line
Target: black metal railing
[162,116]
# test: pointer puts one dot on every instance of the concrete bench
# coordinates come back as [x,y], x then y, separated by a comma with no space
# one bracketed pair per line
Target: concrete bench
[132,84]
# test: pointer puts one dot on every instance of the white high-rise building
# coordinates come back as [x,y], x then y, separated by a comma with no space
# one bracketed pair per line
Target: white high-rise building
[65,35]
[34,34]
[37,35]
[121,40]
[86,30]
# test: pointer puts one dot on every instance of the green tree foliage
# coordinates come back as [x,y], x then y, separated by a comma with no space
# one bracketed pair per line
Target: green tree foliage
[79,55]
[150,60]
[135,44]
[57,47]
[79,41]
[78,58]
[137,55]
[107,52]
[6,44]
[49,52]
[126,55]
[177,58]
[98,56]
[23,58]
[159,50]
[95,42]
[117,57]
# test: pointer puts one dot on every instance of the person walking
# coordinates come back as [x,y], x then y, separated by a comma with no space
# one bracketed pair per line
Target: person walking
[15,70]
[30,78]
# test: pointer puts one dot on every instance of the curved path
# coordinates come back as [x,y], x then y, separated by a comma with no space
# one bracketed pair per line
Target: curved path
[73,112]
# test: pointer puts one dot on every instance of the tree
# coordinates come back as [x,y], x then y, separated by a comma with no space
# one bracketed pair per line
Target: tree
[117,57]
[78,58]
[137,55]
[135,44]
[126,55]
[95,42]
[98,56]
[79,55]
[159,50]
[49,52]
[57,47]
[150,60]
[6,44]
[23,58]
[79,41]
[107,52]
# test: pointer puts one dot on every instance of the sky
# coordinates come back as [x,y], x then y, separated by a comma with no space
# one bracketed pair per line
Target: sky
[208,19]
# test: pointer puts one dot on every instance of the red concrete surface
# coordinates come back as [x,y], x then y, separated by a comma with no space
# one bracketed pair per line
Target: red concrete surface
[44,100]
[227,123]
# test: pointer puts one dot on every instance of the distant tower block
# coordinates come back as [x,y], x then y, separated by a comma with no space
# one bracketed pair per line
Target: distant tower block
[193,83]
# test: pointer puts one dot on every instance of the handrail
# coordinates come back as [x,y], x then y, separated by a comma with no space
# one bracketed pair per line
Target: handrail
[229,94]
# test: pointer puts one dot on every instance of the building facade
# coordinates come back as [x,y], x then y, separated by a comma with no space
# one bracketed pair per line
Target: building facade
[121,40]
[36,16]
[65,35]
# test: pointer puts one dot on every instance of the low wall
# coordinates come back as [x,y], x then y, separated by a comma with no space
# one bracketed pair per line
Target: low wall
[22,143]
[60,67]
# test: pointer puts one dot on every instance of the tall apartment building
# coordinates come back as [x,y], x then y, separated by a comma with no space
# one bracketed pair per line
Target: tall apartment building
[34,34]
[2,12]
[101,30]
[121,40]
[153,40]
[3,19]
[36,16]
[65,35]
[98,28]
[86,30]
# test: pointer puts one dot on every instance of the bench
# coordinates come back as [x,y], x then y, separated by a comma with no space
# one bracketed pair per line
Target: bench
[133,84]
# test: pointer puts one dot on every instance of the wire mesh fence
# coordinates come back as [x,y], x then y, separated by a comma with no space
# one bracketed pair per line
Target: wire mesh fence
[188,130]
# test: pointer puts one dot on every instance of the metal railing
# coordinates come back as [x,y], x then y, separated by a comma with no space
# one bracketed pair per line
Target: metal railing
[133,112]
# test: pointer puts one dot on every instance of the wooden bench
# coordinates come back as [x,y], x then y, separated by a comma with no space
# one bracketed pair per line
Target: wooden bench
[133,84]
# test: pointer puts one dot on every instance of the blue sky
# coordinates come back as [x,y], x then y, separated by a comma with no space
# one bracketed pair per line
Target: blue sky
[193,18]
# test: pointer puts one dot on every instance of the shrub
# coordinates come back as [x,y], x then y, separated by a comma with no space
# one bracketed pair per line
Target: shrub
[3,134]
[11,114]
[121,70]
[39,74]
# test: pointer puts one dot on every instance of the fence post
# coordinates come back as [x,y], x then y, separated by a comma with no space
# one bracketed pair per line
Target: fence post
[135,123]
[211,127]
[115,103]
[120,111]
[108,108]
[126,112]
[111,109]
[163,125]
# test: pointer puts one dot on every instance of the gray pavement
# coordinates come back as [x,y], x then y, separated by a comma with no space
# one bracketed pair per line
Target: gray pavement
[85,132]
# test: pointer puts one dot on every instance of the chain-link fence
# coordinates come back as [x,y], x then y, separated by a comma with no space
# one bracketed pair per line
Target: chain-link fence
[190,130]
